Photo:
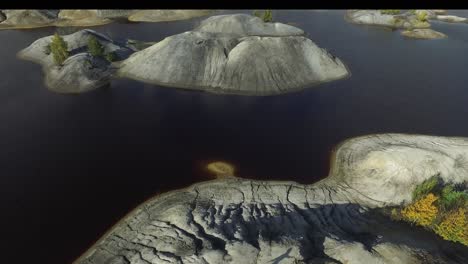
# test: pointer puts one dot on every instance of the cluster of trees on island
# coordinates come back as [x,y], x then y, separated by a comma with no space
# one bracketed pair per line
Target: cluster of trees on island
[441,208]
[58,47]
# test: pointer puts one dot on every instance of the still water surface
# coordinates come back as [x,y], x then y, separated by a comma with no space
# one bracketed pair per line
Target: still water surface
[71,166]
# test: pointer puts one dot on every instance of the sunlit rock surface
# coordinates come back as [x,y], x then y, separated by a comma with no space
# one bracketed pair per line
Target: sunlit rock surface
[80,17]
[29,17]
[166,15]
[452,19]
[115,13]
[332,221]
[33,18]
[237,54]
[425,33]
[246,25]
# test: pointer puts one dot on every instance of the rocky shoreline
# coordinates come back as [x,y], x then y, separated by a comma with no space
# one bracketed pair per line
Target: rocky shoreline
[234,220]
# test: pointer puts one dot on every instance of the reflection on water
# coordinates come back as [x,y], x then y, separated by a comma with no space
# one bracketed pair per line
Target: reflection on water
[71,166]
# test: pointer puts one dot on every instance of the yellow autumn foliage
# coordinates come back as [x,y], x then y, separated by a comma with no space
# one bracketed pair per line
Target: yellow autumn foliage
[422,212]
[454,227]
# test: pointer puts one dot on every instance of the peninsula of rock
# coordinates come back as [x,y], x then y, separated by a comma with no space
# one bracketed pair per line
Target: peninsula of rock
[234,220]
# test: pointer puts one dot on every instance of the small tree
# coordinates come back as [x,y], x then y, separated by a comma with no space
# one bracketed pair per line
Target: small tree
[94,47]
[59,49]
[266,16]
[422,212]
[111,56]
[422,16]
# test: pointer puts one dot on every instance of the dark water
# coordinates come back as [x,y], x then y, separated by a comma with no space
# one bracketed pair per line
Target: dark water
[70,166]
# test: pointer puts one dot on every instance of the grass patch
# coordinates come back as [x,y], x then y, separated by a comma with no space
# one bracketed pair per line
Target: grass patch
[426,187]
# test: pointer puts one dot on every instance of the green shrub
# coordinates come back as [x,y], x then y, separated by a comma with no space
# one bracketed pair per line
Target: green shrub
[422,16]
[59,49]
[390,11]
[111,56]
[425,187]
[94,47]
[451,198]
[266,16]
[454,227]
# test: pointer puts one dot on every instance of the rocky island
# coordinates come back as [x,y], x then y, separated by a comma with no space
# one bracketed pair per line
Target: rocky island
[81,71]
[238,54]
[423,33]
[336,220]
[415,22]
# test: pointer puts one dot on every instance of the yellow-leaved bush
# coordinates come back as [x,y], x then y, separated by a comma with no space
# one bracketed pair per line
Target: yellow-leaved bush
[422,212]
[441,208]
[454,227]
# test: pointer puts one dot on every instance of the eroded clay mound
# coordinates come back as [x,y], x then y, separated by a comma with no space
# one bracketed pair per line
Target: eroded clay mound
[237,54]
[166,15]
[246,25]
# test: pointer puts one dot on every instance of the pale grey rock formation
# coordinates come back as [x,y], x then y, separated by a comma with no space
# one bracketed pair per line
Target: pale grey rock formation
[386,168]
[166,15]
[370,17]
[237,61]
[80,71]
[451,19]
[246,25]
[30,17]
[80,17]
[425,33]
[332,221]
[376,18]
[77,14]
[115,13]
